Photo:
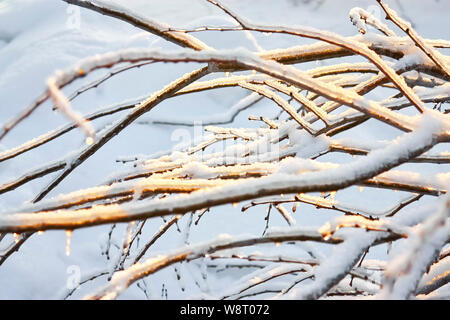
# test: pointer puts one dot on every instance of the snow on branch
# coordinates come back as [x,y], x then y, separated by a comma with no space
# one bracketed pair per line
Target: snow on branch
[360,17]
[406,27]
[286,180]
[335,39]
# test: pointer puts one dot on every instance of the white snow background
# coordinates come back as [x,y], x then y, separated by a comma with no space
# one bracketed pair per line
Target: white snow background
[38,37]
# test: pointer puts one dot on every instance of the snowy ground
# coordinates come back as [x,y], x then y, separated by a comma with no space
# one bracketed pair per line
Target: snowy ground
[39,36]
